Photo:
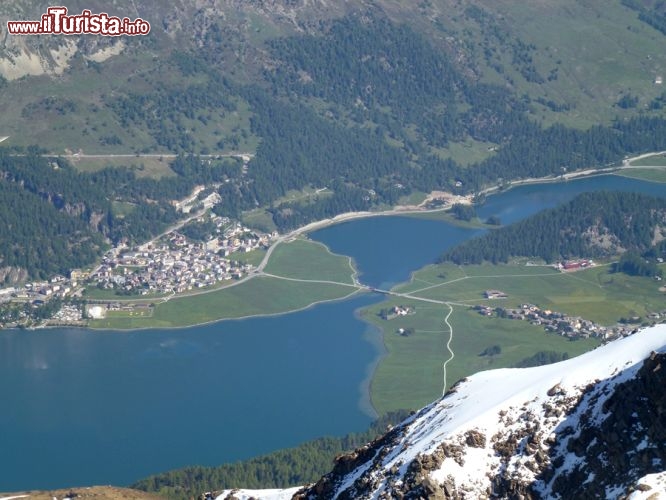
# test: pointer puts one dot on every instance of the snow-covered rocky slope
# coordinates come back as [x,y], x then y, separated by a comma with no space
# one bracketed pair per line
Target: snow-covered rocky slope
[589,427]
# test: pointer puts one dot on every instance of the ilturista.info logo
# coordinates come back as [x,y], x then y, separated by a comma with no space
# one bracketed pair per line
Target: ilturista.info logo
[56,21]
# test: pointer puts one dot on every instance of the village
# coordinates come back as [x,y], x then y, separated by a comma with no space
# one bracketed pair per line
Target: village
[176,264]
[172,264]
[573,327]
[574,265]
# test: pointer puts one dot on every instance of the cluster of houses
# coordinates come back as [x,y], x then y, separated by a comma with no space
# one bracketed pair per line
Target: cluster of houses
[36,294]
[396,312]
[57,287]
[574,265]
[175,264]
[569,326]
[68,314]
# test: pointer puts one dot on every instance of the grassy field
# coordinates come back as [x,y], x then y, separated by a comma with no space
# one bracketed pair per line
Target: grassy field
[82,129]
[87,123]
[97,492]
[466,153]
[259,219]
[295,260]
[446,216]
[303,196]
[299,260]
[646,174]
[253,257]
[414,198]
[650,161]
[449,276]
[592,65]
[594,294]
[122,315]
[411,375]
[142,166]
[259,296]
[122,208]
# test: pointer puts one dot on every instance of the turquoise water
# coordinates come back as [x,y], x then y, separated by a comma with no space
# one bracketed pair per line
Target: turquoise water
[523,201]
[79,407]
[82,407]
[388,249]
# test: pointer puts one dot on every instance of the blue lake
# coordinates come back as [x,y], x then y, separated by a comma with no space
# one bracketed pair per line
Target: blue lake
[523,201]
[388,249]
[84,407]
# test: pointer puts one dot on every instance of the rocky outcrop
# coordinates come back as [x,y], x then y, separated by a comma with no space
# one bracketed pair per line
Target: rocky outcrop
[626,442]
[11,275]
[183,22]
[345,464]
[597,429]
[589,427]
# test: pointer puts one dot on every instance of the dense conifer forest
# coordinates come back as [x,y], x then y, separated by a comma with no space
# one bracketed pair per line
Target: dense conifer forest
[56,218]
[361,106]
[601,224]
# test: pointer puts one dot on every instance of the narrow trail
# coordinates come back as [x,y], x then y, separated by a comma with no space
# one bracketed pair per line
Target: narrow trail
[529,275]
[446,321]
[448,346]
[326,282]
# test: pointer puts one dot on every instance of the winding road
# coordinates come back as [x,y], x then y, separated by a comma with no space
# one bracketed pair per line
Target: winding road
[259,271]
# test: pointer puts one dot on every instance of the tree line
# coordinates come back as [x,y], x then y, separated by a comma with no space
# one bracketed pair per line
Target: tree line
[56,218]
[598,224]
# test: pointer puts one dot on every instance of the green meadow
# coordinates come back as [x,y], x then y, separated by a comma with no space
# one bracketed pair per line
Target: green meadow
[412,374]
[304,264]
[295,260]
[646,174]
[595,294]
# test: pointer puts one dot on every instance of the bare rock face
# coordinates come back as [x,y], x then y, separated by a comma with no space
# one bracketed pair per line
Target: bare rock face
[475,439]
[622,444]
[53,54]
[11,275]
[172,23]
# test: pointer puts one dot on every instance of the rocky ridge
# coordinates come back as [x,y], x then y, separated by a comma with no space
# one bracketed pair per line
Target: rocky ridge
[176,24]
[589,427]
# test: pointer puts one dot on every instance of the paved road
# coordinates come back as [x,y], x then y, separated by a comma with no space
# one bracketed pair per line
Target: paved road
[146,155]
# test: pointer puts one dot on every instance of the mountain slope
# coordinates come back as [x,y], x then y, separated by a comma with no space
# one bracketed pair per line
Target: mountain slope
[600,224]
[592,426]
[532,55]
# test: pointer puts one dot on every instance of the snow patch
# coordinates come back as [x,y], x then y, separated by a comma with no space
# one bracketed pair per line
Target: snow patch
[500,423]
[507,403]
[275,494]
[650,487]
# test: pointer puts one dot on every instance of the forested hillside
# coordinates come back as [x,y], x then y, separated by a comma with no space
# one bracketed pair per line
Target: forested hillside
[365,102]
[600,224]
[56,218]
[364,107]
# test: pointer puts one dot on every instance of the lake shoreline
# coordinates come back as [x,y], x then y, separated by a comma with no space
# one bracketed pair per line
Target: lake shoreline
[406,210]
[156,367]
